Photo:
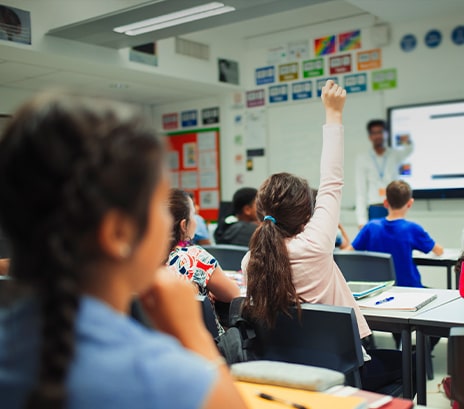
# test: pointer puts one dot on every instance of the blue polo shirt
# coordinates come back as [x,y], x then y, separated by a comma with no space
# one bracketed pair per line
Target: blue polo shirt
[118,363]
[399,238]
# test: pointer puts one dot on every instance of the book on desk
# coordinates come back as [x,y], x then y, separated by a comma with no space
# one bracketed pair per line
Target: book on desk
[403,301]
[361,289]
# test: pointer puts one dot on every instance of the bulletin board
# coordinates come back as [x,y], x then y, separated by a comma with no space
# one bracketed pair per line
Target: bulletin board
[194,167]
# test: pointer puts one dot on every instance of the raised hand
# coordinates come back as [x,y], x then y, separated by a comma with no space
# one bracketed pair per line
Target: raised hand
[333,97]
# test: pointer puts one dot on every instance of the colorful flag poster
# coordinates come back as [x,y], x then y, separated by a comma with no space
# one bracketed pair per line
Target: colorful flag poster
[384,79]
[320,83]
[349,41]
[340,64]
[367,60]
[313,68]
[324,45]
[265,75]
[355,83]
[170,121]
[255,98]
[278,93]
[288,72]
[302,90]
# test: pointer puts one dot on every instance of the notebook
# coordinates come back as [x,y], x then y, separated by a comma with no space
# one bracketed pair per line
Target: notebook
[405,301]
[361,289]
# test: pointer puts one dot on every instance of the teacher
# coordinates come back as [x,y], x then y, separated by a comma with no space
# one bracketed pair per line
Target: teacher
[375,169]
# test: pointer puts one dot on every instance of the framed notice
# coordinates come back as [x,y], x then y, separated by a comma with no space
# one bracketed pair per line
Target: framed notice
[368,60]
[194,166]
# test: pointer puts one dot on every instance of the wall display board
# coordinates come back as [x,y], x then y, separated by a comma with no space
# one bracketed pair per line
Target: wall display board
[194,167]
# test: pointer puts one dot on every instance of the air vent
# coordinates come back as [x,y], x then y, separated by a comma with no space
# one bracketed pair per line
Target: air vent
[192,49]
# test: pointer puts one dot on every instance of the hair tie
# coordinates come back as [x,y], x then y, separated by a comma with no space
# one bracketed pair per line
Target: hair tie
[269,218]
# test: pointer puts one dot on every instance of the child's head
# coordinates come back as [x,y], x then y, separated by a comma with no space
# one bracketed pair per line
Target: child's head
[286,200]
[244,204]
[83,194]
[399,194]
[183,212]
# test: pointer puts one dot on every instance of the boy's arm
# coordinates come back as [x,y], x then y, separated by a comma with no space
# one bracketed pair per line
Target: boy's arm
[438,249]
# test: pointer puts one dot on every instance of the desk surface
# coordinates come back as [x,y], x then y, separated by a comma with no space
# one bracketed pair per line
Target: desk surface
[449,254]
[446,315]
[443,297]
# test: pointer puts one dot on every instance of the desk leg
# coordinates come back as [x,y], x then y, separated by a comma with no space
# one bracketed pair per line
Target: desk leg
[458,276]
[407,360]
[420,368]
[449,286]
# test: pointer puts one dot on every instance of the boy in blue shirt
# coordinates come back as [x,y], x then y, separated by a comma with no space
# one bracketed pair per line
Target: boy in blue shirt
[398,236]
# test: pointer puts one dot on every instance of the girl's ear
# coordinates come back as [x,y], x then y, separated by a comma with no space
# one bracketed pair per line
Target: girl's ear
[116,234]
[183,227]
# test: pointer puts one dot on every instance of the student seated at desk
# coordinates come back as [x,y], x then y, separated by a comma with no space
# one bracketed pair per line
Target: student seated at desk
[193,262]
[84,191]
[399,237]
[291,252]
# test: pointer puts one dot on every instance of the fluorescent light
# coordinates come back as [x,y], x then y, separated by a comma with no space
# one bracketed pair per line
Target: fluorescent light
[173,19]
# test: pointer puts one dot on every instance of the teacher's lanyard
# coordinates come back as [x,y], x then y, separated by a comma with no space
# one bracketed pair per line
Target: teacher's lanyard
[380,168]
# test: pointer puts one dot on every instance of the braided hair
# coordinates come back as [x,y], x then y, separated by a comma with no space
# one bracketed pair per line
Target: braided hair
[64,163]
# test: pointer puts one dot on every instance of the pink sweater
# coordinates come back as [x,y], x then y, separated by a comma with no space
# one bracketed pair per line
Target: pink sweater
[316,277]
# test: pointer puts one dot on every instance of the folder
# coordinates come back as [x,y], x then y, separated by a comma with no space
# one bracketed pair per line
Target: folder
[361,289]
[299,398]
[404,301]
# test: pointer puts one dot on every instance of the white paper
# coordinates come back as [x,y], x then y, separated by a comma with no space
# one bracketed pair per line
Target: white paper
[206,141]
[190,155]
[173,160]
[208,179]
[207,161]
[209,199]
[188,180]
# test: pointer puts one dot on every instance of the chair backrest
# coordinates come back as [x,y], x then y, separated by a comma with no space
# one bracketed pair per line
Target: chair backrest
[228,255]
[326,336]
[456,363]
[209,317]
[365,265]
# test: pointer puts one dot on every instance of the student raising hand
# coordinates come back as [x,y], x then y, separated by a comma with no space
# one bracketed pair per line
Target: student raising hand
[333,96]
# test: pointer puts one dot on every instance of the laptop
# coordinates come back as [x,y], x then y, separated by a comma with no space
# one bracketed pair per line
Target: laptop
[361,289]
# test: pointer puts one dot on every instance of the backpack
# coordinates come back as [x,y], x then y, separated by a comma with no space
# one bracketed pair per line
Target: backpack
[239,342]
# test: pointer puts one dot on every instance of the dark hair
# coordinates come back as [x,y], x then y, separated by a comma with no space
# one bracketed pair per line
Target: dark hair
[376,122]
[179,206]
[64,163]
[398,194]
[243,197]
[270,290]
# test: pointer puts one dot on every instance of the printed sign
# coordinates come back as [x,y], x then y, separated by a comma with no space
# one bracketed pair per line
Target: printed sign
[408,42]
[324,45]
[265,75]
[433,38]
[349,41]
[367,60]
[288,72]
[355,83]
[189,118]
[313,68]
[210,115]
[302,90]
[340,64]
[278,93]
[255,98]
[320,83]
[384,79]
[170,121]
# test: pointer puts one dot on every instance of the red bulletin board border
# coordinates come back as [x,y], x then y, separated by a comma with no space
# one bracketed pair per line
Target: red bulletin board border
[176,142]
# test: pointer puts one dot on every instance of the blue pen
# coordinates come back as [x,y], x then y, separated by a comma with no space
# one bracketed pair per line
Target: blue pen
[384,300]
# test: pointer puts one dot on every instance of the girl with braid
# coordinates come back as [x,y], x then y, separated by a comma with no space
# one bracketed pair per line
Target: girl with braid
[291,252]
[84,205]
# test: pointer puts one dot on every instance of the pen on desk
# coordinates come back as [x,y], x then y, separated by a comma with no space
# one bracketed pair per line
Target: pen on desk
[282,401]
[384,300]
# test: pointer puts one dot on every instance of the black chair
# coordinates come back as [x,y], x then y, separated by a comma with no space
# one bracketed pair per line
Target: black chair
[365,265]
[326,336]
[228,255]
[456,364]
[209,316]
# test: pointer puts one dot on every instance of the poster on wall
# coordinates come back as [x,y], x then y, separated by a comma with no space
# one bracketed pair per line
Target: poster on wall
[368,60]
[170,121]
[349,41]
[277,55]
[189,118]
[15,25]
[313,68]
[228,71]
[324,45]
[384,79]
[302,90]
[340,64]
[288,72]
[355,83]
[255,98]
[210,116]
[278,93]
[194,167]
[298,50]
[265,75]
